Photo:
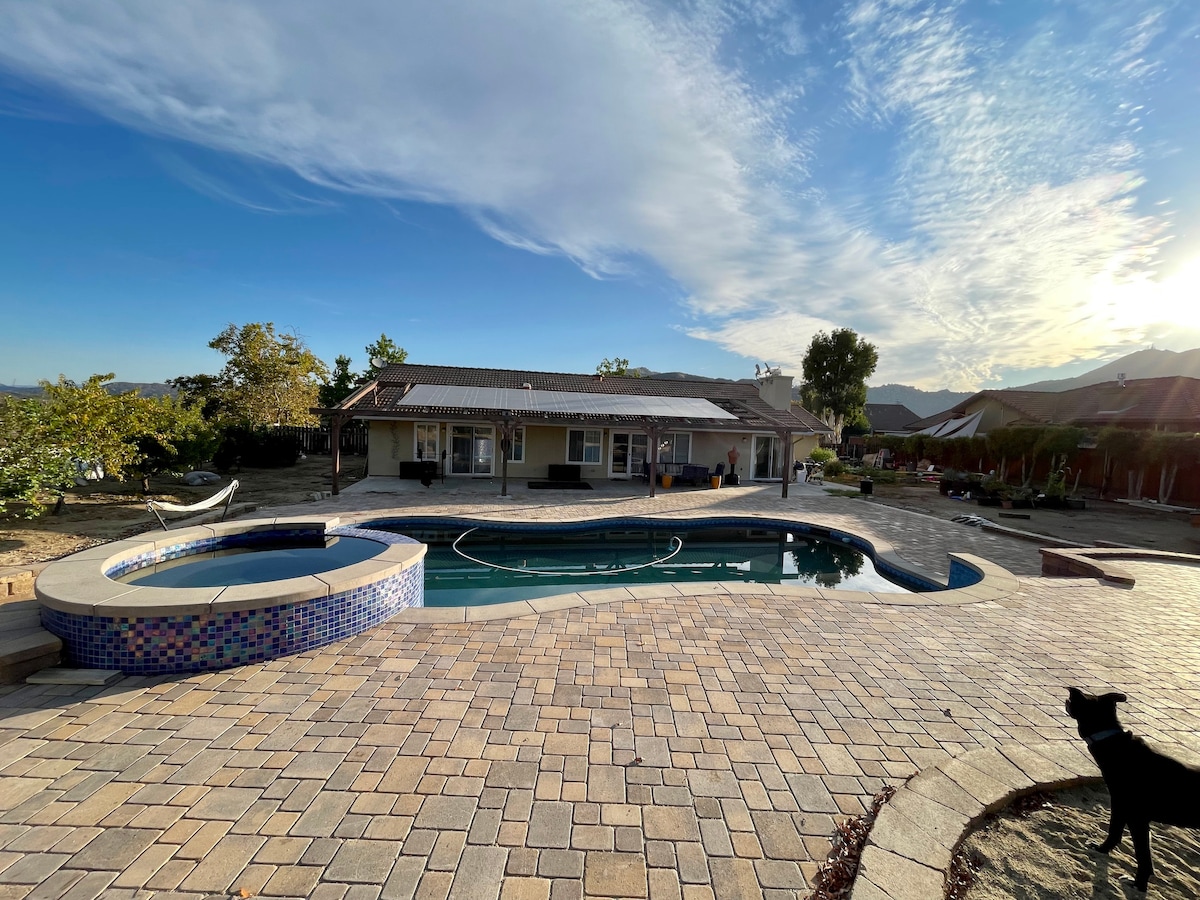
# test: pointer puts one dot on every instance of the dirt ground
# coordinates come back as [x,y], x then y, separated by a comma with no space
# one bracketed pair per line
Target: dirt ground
[1103,520]
[110,511]
[1043,855]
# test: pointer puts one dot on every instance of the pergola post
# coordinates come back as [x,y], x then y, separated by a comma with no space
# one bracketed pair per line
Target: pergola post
[335,449]
[507,430]
[653,433]
[787,460]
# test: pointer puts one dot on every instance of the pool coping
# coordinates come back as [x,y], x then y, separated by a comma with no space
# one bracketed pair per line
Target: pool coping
[1096,562]
[995,582]
[78,585]
[915,836]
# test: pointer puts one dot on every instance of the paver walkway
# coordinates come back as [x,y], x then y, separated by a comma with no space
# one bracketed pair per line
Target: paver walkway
[682,747]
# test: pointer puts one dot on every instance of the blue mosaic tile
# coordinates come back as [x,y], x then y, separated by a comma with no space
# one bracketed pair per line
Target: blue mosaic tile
[192,643]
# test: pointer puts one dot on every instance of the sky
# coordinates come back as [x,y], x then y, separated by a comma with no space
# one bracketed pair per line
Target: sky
[990,192]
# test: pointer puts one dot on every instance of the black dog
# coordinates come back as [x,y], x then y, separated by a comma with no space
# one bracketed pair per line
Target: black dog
[1144,785]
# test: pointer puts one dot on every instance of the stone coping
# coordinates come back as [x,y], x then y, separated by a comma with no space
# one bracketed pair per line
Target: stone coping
[996,584]
[915,836]
[1097,562]
[78,584]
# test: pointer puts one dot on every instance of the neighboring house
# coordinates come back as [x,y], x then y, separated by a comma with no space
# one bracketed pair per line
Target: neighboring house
[889,418]
[605,426]
[1154,404]
[1170,404]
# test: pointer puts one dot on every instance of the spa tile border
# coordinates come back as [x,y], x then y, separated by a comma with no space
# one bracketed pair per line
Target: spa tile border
[915,836]
[153,630]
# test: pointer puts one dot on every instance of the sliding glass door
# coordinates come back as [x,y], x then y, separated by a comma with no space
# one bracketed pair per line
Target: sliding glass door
[472,449]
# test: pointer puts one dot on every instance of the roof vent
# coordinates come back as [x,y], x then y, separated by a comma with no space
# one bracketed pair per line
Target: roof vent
[527,386]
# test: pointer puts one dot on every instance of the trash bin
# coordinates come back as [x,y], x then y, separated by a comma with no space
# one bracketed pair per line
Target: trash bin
[716,481]
[866,486]
[666,481]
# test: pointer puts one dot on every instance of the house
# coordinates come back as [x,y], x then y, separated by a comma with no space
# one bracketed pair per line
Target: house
[889,418]
[556,425]
[1154,404]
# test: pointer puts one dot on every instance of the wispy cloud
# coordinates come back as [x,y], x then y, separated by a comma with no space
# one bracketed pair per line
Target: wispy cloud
[690,140]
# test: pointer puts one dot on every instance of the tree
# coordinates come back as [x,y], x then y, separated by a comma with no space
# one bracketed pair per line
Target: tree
[268,378]
[1122,446]
[169,435]
[836,368]
[616,366]
[203,391]
[383,351]
[341,384]
[32,463]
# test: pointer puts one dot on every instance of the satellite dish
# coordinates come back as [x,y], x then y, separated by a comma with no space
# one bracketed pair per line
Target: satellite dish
[378,362]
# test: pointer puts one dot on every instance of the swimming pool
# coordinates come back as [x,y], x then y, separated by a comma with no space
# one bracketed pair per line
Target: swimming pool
[478,563]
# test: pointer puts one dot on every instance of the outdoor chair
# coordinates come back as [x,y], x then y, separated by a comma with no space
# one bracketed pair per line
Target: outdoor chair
[225,495]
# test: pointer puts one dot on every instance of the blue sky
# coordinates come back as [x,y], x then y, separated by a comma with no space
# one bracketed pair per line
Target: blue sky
[987,191]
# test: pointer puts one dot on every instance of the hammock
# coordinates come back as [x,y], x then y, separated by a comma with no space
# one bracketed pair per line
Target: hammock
[225,495]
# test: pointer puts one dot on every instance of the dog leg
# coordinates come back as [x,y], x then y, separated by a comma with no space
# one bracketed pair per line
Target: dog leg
[1116,827]
[1140,832]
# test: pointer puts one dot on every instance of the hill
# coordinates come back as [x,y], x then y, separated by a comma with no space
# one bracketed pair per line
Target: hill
[1148,363]
[146,389]
[923,403]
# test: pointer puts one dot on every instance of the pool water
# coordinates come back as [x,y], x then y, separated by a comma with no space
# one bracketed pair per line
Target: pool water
[493,565]
[252,563]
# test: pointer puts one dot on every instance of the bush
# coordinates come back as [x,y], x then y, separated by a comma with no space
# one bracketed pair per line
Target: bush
[822,455]
[256,448]
[834,468]
[880,476]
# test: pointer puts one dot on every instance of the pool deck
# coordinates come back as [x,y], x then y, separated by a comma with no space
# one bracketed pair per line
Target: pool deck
[670,747]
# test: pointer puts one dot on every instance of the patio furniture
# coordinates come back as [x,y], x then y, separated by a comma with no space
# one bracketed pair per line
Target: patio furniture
[225,495]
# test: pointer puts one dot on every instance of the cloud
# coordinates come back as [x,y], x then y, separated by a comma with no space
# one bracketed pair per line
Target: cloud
[700,141]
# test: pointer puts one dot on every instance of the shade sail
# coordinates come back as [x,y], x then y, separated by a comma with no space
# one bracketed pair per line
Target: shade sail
[955,428]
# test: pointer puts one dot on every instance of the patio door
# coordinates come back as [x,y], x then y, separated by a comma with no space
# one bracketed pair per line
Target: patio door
[627,454]
[768,457]
[472,448]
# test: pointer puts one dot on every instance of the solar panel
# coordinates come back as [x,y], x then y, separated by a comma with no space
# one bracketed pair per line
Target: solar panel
[519,400]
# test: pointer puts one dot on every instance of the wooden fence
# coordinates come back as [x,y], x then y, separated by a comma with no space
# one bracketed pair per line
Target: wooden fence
[316,439]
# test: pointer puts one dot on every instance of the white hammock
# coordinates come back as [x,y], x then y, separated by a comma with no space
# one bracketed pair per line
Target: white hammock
[225,495]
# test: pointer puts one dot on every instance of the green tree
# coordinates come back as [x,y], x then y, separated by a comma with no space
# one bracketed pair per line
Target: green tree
[1170,450]
[203,391]
[836,368]
[385,352]
[618,367]
[341,384]
[33,464]
[268,378]
[1124,447]
[169,435]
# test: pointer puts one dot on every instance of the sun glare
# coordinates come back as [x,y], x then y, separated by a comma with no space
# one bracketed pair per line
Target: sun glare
[1174,300]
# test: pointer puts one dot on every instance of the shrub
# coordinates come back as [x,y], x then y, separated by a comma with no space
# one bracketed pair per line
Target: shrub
[834,468]
[257,448]
[823,455]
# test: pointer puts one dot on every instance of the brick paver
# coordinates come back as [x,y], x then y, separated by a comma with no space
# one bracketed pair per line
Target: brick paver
[666,747]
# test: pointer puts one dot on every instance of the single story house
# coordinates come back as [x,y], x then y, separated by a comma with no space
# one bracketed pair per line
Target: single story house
[1170,403]
[474,423]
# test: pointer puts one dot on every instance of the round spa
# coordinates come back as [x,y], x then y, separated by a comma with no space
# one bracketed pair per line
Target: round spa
[215,596]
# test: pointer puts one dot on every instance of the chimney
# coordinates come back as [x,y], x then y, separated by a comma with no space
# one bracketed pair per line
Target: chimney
[775,389]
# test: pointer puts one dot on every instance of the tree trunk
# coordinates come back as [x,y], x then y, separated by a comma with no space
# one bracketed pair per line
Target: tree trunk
[145,485]
[1166,482]
[59,505]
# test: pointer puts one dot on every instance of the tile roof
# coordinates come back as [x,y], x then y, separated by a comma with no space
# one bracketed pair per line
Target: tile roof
[740,398]
[890,416]
[1171,402]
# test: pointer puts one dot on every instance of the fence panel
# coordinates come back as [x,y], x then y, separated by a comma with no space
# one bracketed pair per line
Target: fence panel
[317,439]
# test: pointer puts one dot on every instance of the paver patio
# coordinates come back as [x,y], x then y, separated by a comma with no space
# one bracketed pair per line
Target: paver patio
[675,747]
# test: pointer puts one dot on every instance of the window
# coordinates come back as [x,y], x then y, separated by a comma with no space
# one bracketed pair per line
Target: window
[675,447]
[516,453]
[583,446]
[426,441]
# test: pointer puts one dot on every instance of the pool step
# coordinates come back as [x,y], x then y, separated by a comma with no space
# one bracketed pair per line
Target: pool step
[25,646]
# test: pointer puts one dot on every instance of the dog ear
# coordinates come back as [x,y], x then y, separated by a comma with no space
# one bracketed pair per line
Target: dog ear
[1115,697]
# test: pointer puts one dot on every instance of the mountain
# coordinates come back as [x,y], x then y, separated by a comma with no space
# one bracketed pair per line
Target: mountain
[1148,363]
[923,403]
[146,389]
